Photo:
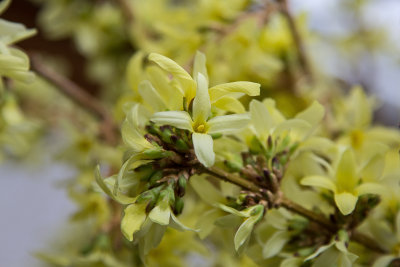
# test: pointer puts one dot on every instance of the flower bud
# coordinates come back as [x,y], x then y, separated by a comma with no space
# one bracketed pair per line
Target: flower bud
[155,177]
[181,145]
[178,205]
[234,166]
[181,186]
[156,153]
[145,196]
[255,145]
[216,135]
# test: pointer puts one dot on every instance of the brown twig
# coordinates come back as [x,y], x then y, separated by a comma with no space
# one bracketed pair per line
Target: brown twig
[294,207]
[232,178]
[299,44]
[79,96]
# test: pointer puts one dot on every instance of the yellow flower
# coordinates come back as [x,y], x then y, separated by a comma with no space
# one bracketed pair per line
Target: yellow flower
[345,181]
[200,123]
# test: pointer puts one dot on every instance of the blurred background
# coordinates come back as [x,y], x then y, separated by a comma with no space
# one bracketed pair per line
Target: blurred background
[357,42]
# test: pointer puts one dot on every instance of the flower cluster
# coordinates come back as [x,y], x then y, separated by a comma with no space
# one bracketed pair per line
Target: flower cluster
[185,135]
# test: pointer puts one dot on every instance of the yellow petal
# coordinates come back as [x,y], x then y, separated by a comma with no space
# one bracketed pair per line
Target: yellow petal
[203,148]
[346,178]
[220,90]
[151,96]
[346,202]
[187,83]
[134,216]
[313,114]
[199,65]
[230,104]
[228,123]
[178,119]
[201,103]
[319,181]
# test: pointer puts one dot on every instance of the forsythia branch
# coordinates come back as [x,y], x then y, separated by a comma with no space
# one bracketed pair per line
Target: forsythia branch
[79,96]
[288,204]
[298,41]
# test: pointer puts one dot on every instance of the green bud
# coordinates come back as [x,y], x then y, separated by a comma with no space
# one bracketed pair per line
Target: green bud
[216,135]
[166,134]
[181,186]
[178,205]
[233,165]
[255,145]
[167,194]
[270,143]
[241,198]
[170,193]
[156,153]
[153,129]
[284,144]
[145,196]
[144,172]
[155,177]
[304,252]
[298,224]
[257,210]
[181,145]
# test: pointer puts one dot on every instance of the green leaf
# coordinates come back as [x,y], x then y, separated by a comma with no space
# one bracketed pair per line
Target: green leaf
[134,216]
[232,210]
[245,229]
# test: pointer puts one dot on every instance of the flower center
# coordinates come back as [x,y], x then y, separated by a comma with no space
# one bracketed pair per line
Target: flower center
[200,128]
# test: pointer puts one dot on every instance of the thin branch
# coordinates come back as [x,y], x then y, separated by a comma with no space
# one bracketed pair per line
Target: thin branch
[299,44]
[318,218]
[79,96]
[232,178]
[288,204]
